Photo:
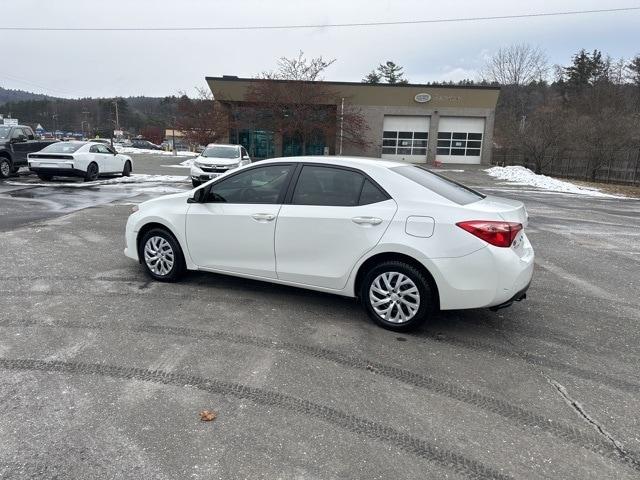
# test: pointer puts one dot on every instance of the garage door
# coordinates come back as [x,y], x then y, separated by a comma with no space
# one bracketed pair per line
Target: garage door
[405,138]
[460,140]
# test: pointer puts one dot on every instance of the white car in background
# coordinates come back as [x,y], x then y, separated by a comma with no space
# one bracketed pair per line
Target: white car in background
[217,159]
[401,238]
[88,160]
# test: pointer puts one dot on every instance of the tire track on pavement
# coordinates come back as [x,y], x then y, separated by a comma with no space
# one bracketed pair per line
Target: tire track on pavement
[508,411]
[358,425]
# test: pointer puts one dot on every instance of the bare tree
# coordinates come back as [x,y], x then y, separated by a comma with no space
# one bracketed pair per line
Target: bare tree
[519,64]
[299,68]
[304,110]
[542,137]
[292,101]
[202,120]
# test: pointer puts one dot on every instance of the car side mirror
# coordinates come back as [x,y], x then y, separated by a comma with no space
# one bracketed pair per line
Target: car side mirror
[197,197]
[246,157]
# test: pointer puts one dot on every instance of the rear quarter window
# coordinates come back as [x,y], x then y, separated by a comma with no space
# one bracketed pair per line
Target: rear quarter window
[453,191]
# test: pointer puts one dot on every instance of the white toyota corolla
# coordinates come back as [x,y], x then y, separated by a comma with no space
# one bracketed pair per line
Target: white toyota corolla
[88,160]
[401,238]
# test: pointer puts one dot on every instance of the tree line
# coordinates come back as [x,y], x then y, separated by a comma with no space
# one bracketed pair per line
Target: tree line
[587,111]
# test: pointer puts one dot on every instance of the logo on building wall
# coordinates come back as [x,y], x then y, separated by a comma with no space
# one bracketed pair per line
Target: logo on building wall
[422,97]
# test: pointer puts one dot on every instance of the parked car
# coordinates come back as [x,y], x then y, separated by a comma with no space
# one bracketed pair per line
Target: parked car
[404,240]
[217,159]
[16,142]
[145,144]
[104,141]
[88,160]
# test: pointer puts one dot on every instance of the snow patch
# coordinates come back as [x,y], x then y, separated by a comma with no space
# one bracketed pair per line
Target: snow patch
[517,175]
[131,150]
[133,179]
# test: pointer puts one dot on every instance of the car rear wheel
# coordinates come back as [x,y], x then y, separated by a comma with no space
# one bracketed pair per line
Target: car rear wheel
[195,183]
[126,172]
[92,172]
[396,295]
[45,177]
[5,168]
[161,255]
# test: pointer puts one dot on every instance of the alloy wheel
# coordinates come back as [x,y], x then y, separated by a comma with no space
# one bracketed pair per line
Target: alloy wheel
[5,168]
[159,256]
[394,297]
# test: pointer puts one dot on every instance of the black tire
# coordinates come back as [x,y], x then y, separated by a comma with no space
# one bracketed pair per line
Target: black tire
[126,171]
[5,167]
[425,303]
[92,173]
[178,267]
[195,183]
[45,177]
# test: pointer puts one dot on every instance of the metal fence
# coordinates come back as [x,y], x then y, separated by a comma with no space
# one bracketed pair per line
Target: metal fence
[623,167]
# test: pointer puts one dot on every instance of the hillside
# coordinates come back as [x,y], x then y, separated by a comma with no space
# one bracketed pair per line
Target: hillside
[10,95]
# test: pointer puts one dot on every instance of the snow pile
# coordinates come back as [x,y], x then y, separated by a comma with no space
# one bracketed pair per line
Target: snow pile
[524,176]
[131,150]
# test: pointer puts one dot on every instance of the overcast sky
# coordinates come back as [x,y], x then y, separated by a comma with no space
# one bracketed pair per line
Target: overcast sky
[76,64]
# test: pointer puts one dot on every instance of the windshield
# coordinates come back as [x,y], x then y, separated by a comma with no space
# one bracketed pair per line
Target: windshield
[4,132]
[221,152]
[62,147]
[444,187]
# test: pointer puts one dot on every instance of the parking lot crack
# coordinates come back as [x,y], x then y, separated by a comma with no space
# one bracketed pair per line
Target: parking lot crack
[580,410]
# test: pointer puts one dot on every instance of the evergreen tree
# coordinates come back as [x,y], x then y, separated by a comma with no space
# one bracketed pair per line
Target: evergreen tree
[372,77]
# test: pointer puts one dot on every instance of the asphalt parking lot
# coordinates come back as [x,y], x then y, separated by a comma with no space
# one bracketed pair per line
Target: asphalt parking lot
[103,372]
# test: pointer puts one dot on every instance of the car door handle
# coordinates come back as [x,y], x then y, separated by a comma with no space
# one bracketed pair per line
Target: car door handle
[367,220]
[263,217]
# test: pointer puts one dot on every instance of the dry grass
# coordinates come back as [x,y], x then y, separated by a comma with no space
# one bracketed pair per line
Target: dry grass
[612,188]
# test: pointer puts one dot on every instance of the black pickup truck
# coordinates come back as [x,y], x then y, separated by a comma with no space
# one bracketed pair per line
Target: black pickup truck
[15,142]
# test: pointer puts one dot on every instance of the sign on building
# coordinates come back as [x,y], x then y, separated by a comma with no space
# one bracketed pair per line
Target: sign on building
[10,122]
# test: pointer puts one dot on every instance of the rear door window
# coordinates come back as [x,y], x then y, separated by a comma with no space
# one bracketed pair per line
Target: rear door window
[440,185]
[320,185]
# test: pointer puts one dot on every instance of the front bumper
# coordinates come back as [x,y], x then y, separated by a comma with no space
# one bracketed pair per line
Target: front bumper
[204,176]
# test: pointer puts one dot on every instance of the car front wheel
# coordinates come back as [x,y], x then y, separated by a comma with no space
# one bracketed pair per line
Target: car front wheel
[161,255]
[126,171]
[396,295]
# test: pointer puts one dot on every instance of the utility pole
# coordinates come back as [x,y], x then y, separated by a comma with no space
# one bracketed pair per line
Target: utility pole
[341,124]
[175,150]
[117,119]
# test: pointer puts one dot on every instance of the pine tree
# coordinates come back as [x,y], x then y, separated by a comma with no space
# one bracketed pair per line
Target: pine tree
[372,77]
[391,72]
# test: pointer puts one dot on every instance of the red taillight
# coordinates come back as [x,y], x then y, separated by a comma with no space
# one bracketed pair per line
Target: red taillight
[500,234]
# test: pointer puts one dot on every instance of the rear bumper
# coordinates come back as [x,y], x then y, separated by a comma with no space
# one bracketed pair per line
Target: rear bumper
[489,277]
[521,295]
[58,171]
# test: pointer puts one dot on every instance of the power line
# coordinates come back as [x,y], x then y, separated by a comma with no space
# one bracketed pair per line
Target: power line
[326,25]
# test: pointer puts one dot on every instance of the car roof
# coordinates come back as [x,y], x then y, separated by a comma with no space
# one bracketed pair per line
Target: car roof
[355,162]
[223,145]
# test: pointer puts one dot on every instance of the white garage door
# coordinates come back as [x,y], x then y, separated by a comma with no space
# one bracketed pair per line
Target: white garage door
[405,138]
[460,140]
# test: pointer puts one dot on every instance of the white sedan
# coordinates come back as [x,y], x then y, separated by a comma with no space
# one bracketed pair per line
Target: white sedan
[88,160]
[217,159]
[401,238]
